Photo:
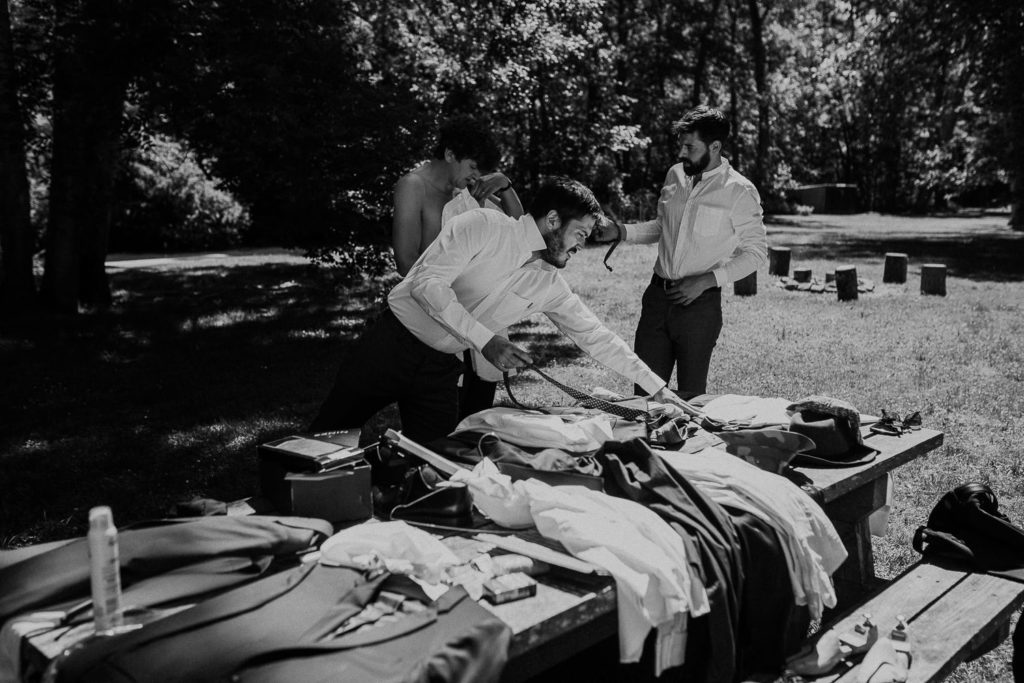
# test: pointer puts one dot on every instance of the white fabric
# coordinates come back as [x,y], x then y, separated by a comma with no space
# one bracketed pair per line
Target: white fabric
[751,411]
[502,500]
[567,432]
[810,542]
[641,551]
[717,226]
[474,281]
[463,201]
[402,548]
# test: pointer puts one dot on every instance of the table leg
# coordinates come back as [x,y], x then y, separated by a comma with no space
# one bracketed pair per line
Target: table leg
[850,515]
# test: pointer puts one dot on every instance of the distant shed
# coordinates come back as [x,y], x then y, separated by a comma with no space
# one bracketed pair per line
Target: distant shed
[827,198]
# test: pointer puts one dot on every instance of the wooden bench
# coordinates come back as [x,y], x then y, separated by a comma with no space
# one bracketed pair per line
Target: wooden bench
[953,616]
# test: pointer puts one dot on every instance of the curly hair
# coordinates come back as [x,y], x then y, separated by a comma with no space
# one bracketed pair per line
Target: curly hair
[468,138]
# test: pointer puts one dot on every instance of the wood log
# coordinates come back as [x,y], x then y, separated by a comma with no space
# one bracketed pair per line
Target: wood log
[933,279]
[746,286]
[846,283]
[802,274]
[830,276]
[895,268]
[778,261]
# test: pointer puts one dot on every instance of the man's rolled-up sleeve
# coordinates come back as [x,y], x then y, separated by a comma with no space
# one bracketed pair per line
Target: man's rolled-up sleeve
[752,250]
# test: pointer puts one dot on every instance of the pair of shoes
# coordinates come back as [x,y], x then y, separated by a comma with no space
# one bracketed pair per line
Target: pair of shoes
[894,425]
[888,660]
[832,648]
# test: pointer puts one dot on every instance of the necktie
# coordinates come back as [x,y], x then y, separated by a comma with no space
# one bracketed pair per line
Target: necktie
[586,400]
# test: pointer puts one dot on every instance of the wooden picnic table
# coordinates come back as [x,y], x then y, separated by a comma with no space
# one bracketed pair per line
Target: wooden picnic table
[561,621]
[572,612]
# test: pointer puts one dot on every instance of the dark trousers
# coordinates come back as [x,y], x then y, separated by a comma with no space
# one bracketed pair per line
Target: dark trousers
[475,394]
[390,365]
[672,335]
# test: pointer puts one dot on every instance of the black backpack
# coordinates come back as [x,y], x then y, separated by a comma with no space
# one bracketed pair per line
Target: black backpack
[967,527]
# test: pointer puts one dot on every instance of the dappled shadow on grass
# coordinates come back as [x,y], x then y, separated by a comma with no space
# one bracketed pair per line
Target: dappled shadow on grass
[167,394]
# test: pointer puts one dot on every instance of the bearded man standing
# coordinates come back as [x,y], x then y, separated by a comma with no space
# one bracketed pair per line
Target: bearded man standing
[710,231]
[484,272]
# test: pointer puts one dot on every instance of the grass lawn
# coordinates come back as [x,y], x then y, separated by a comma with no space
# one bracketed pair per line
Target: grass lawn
[167,395]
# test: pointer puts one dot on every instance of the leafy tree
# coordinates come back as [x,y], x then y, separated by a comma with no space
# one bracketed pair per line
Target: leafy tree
[17,285]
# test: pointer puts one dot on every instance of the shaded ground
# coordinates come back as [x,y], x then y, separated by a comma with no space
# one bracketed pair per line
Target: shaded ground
[977,248]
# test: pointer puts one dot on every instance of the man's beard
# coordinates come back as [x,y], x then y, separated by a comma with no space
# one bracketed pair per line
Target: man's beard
[551,250]
[693,168]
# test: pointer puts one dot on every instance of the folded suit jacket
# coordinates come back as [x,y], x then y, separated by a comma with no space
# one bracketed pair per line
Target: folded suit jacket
[162,560]
[275,630]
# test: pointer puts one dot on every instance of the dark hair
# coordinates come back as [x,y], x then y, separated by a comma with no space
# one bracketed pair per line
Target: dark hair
[708,123]
[468,138]
[569,198]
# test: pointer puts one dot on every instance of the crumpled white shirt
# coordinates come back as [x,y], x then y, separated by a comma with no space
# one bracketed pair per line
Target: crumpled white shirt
[568,432]
[502,500]
[641,551]
[809,540]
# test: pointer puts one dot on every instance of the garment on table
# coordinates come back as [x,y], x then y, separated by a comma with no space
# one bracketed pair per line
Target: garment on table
[294,626]
[812,546]
[713,551]
[568,432]
[649,561]
[474,281]
[748,412]
[220,551]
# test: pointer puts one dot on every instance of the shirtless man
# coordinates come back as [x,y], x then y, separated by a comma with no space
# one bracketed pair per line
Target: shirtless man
[464,147]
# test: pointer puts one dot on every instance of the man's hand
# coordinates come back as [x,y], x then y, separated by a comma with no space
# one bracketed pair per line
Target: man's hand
[504,355]
[669,398]
[487,185]
[687,289]
[606,230]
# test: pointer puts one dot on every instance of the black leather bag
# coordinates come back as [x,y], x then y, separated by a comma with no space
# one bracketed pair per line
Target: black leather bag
[966,526]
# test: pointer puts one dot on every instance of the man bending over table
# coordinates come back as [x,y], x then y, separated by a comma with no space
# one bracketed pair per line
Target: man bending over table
[484,272]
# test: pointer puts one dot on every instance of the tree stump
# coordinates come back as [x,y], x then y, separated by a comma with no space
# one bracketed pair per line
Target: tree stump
[895,268]
[746,286]
[830,276]
[933,279]
[846,283]
[778,261]
[802,274]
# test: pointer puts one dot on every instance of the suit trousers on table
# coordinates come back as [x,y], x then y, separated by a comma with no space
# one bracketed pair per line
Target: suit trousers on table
[387,365]
[672,335]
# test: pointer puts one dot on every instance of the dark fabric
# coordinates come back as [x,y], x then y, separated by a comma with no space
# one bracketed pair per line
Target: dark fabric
[966,526]
[277,629]
[682,337]
[771,624]
[194,555]
[475,394]
[754,620]
[1018,652]
[712,543]
[389,364]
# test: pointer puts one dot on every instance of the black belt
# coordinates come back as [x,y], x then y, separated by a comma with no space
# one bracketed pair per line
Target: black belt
[663,284]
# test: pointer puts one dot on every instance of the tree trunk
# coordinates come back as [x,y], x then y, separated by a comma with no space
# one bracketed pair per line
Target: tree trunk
[17,284]
[89,87]
[700,70]
[759,53]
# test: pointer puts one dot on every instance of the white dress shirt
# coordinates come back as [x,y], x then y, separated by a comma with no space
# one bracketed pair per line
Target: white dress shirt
[474,281]
[716,225]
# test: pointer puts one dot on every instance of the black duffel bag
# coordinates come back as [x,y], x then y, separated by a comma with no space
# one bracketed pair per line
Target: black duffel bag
[966,526]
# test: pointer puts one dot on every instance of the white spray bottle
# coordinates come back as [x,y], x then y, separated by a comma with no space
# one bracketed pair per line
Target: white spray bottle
[104,571]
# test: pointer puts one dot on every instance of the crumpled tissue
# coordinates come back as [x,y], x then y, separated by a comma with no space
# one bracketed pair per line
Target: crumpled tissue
[505,502]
